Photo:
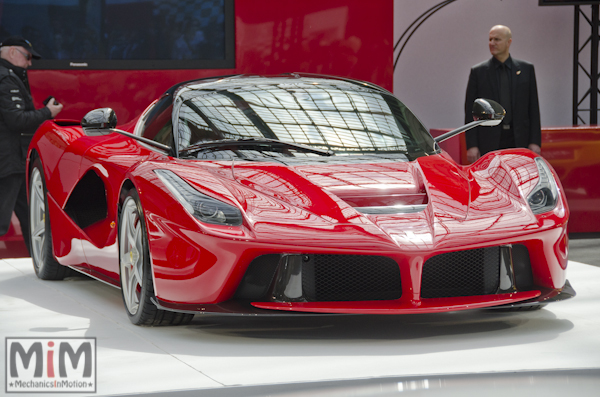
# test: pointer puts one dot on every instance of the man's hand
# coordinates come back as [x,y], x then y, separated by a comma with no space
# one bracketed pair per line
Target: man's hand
[54,109]
[473,154]
[535,148]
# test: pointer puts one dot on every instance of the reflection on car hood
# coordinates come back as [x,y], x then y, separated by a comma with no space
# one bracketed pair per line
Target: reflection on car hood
[432,180]
[445,201]
[329,189]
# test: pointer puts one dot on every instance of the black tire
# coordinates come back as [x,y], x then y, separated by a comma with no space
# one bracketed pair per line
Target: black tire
[137,287]
[40,234]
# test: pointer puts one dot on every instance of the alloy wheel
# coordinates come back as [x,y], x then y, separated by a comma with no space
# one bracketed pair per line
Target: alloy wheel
[37,218]
[131,255]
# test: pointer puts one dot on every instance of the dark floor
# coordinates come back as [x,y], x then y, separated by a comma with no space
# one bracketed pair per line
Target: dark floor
[585,249]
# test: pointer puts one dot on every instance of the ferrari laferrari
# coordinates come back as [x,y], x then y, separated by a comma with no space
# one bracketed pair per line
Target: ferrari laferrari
[293,193]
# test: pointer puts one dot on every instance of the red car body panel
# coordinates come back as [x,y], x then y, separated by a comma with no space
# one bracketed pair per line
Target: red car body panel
[573,153]
[309,208]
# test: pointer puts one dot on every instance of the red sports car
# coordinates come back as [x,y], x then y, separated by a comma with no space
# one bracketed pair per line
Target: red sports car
[296,193]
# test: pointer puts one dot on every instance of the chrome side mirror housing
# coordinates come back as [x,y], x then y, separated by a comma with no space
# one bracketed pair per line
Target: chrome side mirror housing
[488,111]
[485,112]
[99,119]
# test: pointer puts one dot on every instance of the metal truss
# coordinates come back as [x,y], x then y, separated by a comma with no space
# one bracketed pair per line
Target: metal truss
[587,104]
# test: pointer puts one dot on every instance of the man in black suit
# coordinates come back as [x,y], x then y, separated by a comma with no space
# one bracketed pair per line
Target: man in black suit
[511,82]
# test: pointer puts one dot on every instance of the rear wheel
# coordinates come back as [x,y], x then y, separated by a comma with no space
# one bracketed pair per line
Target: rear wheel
[136,275]
[45,265]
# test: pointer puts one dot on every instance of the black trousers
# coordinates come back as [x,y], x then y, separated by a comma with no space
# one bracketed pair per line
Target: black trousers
[13,197]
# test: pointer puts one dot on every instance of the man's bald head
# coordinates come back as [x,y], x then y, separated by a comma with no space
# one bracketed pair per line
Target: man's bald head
[499,42]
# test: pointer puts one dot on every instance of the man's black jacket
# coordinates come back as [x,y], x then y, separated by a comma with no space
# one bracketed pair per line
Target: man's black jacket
[18,119]
[526,124]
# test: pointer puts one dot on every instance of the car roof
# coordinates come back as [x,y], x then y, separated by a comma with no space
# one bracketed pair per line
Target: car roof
[194,88]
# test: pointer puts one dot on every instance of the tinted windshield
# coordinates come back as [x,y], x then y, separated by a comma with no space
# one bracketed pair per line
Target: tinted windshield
[330,114]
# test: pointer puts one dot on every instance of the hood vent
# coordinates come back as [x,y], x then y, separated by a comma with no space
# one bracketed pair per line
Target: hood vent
[391,210]
[374,203]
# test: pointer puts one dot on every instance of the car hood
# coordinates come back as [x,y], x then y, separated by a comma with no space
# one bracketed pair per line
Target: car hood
[340,192]
[438,201]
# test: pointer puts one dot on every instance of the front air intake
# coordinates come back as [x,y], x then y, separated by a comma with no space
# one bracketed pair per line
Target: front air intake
[462,273]
[320,278]
[350,278]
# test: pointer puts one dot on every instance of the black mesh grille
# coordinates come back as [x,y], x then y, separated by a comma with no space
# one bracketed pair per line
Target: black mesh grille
[350,278]
[462,273]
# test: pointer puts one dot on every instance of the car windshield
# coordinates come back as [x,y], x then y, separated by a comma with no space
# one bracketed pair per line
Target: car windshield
[343,117]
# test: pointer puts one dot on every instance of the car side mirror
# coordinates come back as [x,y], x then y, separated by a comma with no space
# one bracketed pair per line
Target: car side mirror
[485,112]
[490,111]
[103,121]
[99,119]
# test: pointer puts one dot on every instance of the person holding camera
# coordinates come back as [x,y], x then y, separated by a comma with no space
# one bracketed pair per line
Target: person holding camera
[18,122]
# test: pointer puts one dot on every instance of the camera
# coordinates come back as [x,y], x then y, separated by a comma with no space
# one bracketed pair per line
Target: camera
[48,100]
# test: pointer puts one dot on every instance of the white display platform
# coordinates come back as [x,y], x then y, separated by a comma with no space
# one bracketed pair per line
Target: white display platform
[220,351]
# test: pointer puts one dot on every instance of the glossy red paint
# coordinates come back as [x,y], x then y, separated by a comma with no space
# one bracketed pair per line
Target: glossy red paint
[304,209]
[196,264]
[573,153]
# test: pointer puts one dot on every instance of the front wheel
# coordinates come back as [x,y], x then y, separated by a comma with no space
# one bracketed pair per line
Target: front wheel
[136,275]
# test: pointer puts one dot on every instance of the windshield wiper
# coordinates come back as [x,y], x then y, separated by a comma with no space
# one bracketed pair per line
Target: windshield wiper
[257,143]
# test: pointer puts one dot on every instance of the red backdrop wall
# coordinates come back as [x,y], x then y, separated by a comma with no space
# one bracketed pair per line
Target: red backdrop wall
[350,38]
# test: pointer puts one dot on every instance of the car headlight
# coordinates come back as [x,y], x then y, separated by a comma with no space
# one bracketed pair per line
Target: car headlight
[545,195]
[202,207]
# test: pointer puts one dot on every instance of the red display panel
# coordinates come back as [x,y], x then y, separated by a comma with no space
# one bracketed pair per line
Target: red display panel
[573,152]
[344,38]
